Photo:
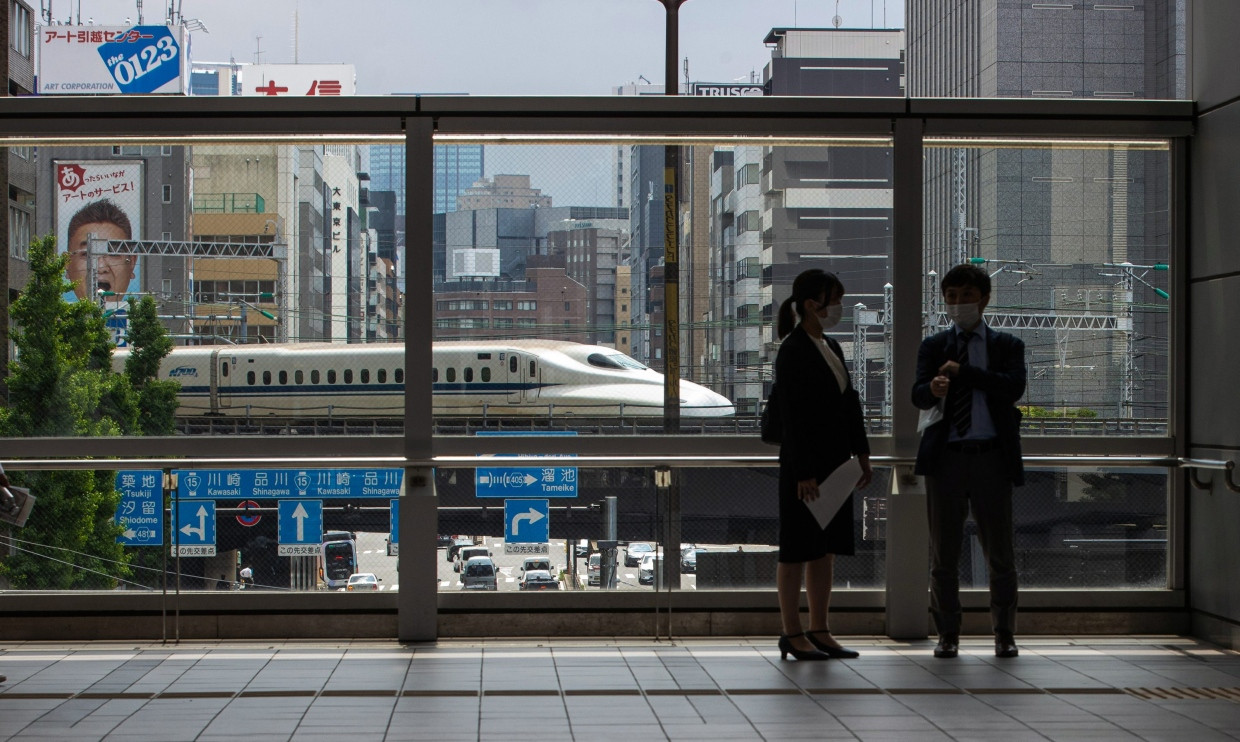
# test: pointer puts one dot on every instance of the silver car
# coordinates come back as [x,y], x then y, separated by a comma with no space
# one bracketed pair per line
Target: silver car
[478,573]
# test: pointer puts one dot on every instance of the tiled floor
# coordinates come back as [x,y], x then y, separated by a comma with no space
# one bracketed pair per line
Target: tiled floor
[1060,688]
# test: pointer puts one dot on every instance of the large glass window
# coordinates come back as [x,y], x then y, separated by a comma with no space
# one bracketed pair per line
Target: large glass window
[1076,238]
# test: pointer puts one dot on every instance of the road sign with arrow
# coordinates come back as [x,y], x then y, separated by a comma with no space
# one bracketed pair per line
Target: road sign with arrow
[195,524]
[140,512]
[301,527]
[526,521]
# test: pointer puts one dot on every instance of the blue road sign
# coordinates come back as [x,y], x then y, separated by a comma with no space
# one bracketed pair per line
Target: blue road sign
[195,524]
[301,527]
[288,484]
[526,521]
[141,509]
[518,481]
[394,526]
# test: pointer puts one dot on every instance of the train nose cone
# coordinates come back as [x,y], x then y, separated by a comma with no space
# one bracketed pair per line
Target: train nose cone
[702,402]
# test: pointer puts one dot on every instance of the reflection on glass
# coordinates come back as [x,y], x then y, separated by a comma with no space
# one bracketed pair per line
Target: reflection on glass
[1076,238]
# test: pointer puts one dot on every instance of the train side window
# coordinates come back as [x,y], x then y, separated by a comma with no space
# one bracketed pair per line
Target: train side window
[299,377]
[451,375]
[224,368]
[486,373]
[365,376]
[283,377]
[266,378]
[512,364]
[400,376]
[249,378]
[469,374]
[331,376]
[382,374]
[531,369]
[348,376]
[314,376]
[434,375]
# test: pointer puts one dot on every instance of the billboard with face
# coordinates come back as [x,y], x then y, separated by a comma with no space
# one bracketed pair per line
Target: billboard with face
[103,200]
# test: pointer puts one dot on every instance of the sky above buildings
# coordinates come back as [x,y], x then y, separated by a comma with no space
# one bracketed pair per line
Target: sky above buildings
[492,47]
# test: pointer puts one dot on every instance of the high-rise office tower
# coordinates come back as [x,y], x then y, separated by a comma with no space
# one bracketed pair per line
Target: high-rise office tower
[1082,207]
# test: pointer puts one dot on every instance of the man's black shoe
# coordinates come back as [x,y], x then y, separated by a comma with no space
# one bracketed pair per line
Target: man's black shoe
[1006,648]
[947,648]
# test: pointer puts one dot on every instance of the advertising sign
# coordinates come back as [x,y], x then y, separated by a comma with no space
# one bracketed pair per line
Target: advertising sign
[298,79]
[112,60]
[726,90]
[104,199]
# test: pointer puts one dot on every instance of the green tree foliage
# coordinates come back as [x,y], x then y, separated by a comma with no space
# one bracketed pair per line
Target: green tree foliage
[63,385]
[149,344]
[1042,412]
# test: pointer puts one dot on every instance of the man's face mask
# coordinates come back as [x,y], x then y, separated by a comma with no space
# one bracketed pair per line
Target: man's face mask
[965,316]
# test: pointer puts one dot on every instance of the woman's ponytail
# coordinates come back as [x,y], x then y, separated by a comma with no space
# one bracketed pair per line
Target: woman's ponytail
[787,319]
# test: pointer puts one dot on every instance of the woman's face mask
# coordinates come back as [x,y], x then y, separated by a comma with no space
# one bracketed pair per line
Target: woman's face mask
[831,316]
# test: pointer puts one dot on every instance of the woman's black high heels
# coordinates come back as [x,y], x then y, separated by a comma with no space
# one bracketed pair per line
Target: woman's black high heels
[786,648]
[838,653]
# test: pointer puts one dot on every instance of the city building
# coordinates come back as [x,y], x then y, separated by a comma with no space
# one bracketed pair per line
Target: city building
[22,171]
[999,203]
[546,303]
[776,211]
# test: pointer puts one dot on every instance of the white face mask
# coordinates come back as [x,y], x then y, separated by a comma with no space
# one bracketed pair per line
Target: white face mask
[832,318]
[965,316]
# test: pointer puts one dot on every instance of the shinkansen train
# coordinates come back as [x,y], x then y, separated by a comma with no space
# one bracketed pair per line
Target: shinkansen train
[485,378]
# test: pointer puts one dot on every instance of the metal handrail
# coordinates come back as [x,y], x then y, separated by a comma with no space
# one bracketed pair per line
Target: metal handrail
[589,461]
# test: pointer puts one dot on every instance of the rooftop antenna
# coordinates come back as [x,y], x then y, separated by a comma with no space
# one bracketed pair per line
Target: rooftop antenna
[836,20]
[296,31]
[258,49]
[79,13]
[139,10]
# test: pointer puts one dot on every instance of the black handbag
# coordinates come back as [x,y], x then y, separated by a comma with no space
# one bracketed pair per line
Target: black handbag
[772,427]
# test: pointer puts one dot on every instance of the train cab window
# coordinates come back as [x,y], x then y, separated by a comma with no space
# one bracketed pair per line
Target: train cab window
[434,375]
[613,360]
[512,364]
[314,376]
[469,374]
[331,376]
[486,373]
[249,378]
[348,376]
[451,375]
[400,376]
[365,376]
[299,377]
[266,378]
[382,375]
[283,377]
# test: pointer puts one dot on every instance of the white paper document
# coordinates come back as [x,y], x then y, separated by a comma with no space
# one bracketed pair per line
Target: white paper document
[834,491]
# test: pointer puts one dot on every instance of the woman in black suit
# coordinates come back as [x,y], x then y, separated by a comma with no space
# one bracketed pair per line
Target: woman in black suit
[822,428]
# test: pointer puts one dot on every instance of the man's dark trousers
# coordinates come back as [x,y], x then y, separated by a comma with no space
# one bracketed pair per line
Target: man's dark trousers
[970,478]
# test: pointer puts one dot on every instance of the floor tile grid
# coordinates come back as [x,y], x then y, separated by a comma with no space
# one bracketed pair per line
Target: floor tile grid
[671,662]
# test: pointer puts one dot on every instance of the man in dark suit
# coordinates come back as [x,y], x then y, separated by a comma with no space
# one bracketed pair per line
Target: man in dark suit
[971,458]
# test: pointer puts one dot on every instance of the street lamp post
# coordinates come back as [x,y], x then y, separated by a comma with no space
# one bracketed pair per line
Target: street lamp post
[670,530]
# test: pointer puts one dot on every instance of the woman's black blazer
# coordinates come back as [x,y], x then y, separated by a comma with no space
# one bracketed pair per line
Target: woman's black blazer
[822,426]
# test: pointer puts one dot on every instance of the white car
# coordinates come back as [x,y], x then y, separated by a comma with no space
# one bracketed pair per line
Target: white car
[645,570]
[634,552]
[362,582]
